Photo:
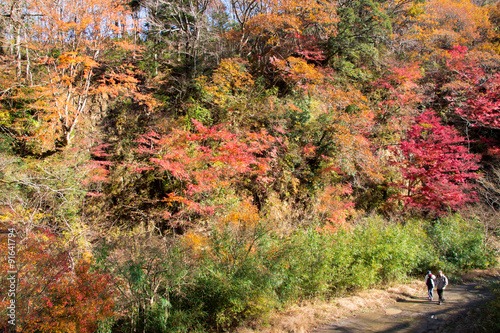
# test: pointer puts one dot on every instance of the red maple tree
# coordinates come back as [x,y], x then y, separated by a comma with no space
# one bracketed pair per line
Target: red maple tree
[205,160]
[473,92]
[436,167]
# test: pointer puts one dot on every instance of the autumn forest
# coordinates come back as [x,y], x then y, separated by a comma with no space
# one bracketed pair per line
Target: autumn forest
[196,165]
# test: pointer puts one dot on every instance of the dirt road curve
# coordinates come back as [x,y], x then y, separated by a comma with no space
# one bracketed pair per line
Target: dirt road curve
[416,314]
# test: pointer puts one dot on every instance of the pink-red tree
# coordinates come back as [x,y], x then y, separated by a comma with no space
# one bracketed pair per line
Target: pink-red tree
[204,162]
[436,167]
[473,92]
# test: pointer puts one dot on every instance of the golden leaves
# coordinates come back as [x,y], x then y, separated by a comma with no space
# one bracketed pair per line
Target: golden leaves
[298,71]
[230,79]
[243,218]
[68,59]
[243,223]
[349,121]
[447,23]
[196,242]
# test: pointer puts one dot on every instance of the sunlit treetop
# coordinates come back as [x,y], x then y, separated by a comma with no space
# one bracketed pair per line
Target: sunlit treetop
[446,23]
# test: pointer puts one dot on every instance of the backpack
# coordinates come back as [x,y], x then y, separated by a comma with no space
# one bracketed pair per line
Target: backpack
[430,282]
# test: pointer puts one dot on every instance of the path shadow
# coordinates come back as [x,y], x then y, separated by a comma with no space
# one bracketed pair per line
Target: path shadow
[413,301]
[416,314]
[434,320]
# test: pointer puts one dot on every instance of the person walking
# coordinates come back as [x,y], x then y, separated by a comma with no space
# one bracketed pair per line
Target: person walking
[441,283]
[429,282]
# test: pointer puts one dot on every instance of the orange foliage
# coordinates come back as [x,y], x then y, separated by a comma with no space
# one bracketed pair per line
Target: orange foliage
[60,104]
[65,41]
[294,16]
[53,110]
[335,206]
[494,15]
[121,81]
[349,121]
[76,25]
[447,23]
[280,29]
[55,292]
[298,72]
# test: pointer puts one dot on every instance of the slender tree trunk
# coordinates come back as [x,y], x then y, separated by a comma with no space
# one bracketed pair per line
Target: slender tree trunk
[29,76]
[18,50]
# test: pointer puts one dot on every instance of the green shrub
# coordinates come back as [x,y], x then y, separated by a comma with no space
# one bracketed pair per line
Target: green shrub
[460,245]
[236,278]
[372,252]
[390,252]
[308,267]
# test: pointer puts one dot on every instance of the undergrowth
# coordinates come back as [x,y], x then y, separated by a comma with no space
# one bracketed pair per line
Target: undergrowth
[240,270]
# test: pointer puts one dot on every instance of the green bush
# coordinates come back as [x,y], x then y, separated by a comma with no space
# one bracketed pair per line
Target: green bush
[372,252]
[308,267]
[386,252]
[460,245]
[235,280]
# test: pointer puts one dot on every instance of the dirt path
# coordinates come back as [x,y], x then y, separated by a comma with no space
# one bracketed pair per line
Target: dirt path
[417,314]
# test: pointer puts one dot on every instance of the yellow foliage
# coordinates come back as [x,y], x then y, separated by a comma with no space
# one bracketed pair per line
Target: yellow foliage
[244,218]
[196,242]
[447,23]
[350,120]
[494,16]
[298,71]
[229,80]
[21,217]
[241,223]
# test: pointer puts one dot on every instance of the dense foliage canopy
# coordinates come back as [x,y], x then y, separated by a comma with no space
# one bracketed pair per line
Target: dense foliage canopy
[152,150]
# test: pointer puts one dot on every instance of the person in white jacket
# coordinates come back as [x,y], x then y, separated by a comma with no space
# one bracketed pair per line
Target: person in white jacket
[441,283]
[429,282]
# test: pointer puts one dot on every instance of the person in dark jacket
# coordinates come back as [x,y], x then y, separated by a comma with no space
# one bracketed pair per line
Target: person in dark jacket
[441,283]
[429,282]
